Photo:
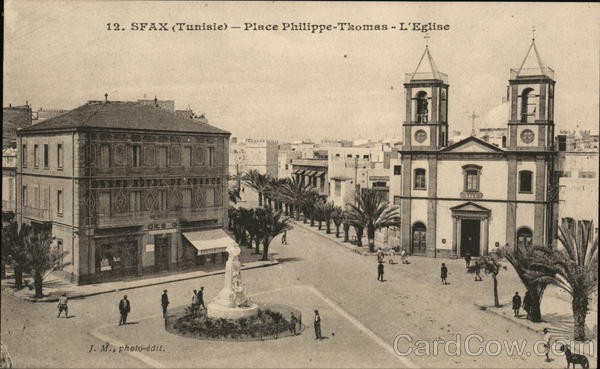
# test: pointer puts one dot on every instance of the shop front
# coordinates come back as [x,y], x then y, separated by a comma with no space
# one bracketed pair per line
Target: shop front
[207,247]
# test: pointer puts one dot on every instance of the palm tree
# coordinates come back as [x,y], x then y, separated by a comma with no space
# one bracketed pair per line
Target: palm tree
[337,216]
[574,268]
[247,226]
[294,192]
[258,182]
[234,195]
[521,258]
[309,204]
[373,213]
[273,191]
[272,224]
[44,257]
[237,177]
[491,264]
[327,213]
[319,212]
[15,237]
[346,226]
[8,221]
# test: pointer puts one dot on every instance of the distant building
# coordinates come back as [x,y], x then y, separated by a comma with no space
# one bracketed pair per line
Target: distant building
[284,162]
[42,114]
[313,172]
[127,189]
[261,155]
[14,118]
[578,186]
[9,173]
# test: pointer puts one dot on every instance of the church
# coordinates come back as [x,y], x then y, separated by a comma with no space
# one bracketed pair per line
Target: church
[469,197]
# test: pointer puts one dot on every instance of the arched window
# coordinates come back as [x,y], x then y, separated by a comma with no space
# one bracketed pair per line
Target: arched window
[419,233]
[525,181]
[528,105]
[524,236]
[422,110]
[420,179]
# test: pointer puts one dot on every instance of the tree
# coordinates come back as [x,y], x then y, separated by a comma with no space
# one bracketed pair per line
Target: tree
[522,257]
[15,237]
[491,264]
[247,226]
[319,212]
[9,236]
[337,216]
[373,213]
[234,195]
[327,213]
[574,268]
[258,182]
[44,257]
[346,227]
[294,192]
[309,204]
[272,224]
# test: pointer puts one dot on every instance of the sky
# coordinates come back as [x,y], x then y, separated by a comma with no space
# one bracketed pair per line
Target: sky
[297,85]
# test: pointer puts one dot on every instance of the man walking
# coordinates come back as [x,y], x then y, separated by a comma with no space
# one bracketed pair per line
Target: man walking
[284,238]
[317,325]
[124,309]
[444,273]
[527,304]
[516,301]
[380,271]
[293,322]
[201,298]
[62,306]
[164,301]
[548,344]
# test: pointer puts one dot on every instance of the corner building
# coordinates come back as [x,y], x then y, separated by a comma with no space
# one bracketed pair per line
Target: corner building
[472,196]
[126,189]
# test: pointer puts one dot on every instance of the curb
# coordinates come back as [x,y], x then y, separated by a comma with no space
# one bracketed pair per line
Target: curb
[487,309]
[349,248]
[78,296]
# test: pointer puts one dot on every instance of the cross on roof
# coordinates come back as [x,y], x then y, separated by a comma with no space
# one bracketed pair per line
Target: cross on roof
[473,116]
[533,33]
[427,37]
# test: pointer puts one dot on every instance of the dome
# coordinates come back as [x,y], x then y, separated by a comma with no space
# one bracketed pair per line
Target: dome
[497,117]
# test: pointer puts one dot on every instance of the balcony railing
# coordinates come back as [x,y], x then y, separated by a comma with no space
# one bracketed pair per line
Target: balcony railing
[425,76]
[44,215]
[143,217]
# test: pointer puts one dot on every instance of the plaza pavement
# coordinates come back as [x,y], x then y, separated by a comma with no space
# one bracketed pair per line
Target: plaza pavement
[342,284]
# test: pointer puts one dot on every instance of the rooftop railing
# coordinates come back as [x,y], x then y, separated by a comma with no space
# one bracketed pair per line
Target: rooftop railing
[532,72]
[425,76]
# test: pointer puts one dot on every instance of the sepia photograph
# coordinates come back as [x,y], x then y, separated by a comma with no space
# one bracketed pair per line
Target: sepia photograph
[302,184]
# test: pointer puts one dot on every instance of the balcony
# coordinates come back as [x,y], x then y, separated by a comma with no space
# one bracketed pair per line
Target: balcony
[471,195]
[104,220]
[44,215]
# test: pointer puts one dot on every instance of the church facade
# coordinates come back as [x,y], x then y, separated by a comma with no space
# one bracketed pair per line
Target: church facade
[470,197]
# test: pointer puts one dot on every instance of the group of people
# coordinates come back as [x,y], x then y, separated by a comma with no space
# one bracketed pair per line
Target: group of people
[527,304]
[198,300]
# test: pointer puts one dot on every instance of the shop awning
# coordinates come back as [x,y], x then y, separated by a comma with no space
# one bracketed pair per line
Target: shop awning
[210,241]
[310,173]
[298,171]
[320,174]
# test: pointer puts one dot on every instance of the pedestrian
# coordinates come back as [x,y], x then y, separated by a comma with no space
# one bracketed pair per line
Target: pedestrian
[284,238]
[62,306]
[201,298]
[293,322]
[380,255]
[317,325]
[195,303]
[444,273]
[404,256]
[124,309]
[478,272]
[516,301]
[467,259]
[527,304]
[380,271]
[547,343]
[164,302]
[392,255]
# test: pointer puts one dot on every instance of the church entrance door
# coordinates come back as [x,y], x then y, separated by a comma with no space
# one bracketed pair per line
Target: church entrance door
[470,237]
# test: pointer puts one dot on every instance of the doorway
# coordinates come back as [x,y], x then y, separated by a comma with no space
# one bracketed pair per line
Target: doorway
[162,252]
[470,237]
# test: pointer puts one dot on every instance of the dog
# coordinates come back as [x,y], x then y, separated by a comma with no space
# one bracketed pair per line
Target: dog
[574,358]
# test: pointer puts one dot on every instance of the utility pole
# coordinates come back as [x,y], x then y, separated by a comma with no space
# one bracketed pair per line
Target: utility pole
[356,185]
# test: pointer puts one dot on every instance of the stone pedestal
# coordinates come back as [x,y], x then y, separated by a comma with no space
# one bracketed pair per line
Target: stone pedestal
[231,302]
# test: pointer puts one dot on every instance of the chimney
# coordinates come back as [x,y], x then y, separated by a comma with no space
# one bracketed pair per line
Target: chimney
[106,98]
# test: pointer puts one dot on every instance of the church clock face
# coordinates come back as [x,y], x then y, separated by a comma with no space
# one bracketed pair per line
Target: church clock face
[420,136]
[527,136]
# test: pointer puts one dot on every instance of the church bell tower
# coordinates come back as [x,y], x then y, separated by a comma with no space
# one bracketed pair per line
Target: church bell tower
[426,122]
[531,96]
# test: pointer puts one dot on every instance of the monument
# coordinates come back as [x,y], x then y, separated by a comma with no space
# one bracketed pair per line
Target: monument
[231,302]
